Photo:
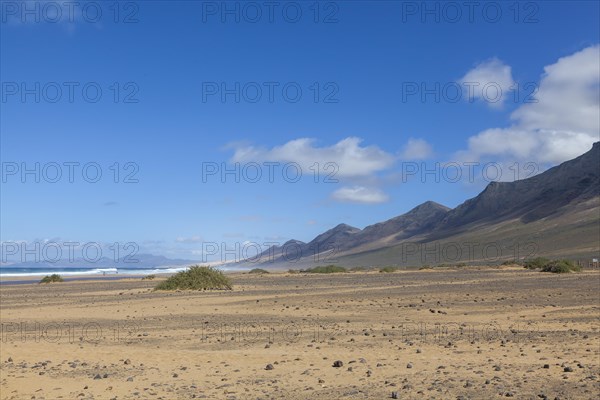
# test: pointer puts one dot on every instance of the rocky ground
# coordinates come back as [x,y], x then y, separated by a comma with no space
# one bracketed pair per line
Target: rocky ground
[449,334]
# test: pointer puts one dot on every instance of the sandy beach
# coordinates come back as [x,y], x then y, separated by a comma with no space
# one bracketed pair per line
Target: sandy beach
[465,333]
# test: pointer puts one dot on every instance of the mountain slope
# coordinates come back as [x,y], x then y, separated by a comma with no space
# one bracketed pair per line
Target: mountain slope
[554,213]
[530,199]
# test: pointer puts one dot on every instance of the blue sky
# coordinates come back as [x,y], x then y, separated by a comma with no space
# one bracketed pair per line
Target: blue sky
[362,58]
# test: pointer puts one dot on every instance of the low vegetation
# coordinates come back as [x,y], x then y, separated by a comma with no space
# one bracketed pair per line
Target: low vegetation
[197,278]
[554,266]
[389,269]
[536,263]
[512,262]
[258,271]
[327,269]
[561,267]
[52,278]
[149,277]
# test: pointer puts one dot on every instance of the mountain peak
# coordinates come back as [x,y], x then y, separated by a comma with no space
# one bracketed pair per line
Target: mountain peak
[293,241]
[429,205]
[344,227]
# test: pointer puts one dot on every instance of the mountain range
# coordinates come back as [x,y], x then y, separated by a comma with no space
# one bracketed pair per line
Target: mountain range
[554,214]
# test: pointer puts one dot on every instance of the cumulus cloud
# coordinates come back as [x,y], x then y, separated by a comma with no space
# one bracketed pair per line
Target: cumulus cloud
[416,149]
[562,123]
[351,159]
[346,162]
[360,194]
[489,81]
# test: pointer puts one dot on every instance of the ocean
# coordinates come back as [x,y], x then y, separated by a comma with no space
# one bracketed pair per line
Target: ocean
[8,271]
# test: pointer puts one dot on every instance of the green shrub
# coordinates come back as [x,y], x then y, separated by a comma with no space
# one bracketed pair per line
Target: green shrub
[197,278]
[52,278]
[359,269]
[388,269]
[561,267]
[538,262]
[425,267]
[148,277]
[328,269]
[258,271]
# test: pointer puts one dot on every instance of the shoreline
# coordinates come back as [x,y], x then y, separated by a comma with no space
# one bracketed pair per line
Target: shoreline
[31,279]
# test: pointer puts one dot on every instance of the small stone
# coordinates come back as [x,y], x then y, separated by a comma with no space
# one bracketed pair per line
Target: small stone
[409,365]
[568,369]
[127,362]
[269,367]
[338,364]
[97,376]
[546,366]
[394,395]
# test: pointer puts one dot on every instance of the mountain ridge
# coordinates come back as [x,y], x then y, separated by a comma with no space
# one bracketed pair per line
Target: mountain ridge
[572,186]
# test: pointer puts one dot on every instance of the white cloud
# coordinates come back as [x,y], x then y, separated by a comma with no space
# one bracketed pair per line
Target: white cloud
[562,124]
[490,81]
[416,149]
[351,159]
[353,163]
[360,194]
[193,239]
